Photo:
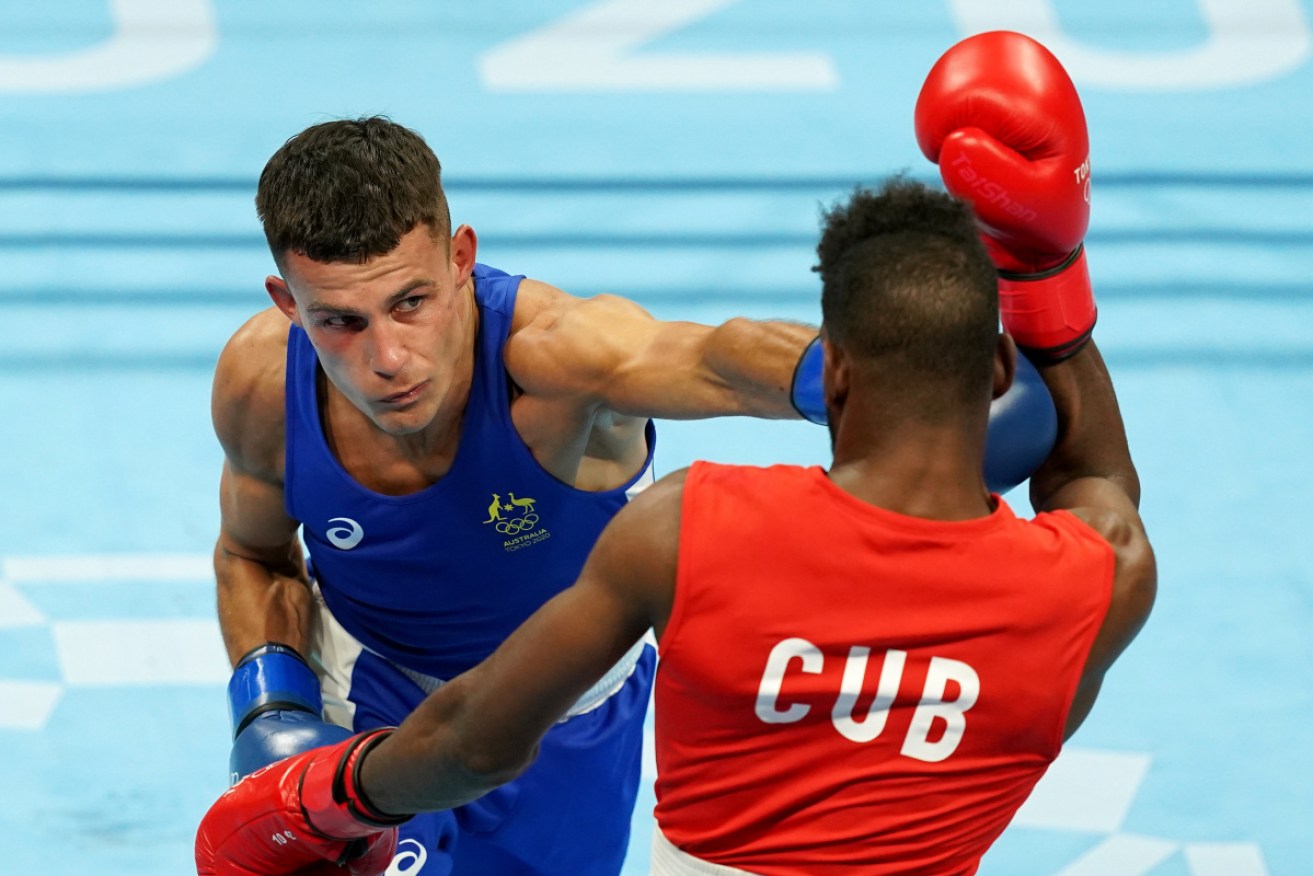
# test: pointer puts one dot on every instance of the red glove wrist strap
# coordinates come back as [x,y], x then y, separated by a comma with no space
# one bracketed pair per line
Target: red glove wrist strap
[331,798]
[1050,314]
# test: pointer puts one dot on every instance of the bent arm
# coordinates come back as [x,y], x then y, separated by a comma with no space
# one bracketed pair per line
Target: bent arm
[1091,445]
[262,590]
[483,728]
[1134,587]
[612,350]
[1090,473]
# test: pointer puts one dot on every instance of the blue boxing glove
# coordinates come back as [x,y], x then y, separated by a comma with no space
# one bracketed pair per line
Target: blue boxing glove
[1023,424]
[276,709]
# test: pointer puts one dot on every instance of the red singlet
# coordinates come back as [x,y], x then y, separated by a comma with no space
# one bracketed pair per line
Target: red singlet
[847,690]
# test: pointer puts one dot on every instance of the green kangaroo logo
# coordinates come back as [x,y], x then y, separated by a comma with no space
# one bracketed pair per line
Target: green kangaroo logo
[494,510]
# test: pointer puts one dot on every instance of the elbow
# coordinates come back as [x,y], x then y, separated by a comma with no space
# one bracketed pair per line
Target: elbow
[740,339]
[489,765]
[739,329]
[737,338]
[1055,476]
[1121,474]
[1130,482]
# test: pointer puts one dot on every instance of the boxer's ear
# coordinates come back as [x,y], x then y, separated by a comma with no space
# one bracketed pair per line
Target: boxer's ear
[282,298]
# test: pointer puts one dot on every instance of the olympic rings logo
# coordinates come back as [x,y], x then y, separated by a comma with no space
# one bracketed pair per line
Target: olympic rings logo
[517,524]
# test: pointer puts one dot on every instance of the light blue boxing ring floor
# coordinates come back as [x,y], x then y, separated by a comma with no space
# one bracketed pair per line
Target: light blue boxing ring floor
[678,153]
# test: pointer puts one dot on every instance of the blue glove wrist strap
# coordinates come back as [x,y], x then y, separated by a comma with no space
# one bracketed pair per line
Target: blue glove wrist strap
[271,676]
[807,396]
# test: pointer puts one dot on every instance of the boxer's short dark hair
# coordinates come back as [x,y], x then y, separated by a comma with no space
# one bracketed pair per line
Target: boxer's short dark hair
[348,190]
[906,279]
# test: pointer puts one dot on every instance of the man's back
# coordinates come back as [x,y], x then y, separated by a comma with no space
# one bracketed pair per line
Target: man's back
[842,687]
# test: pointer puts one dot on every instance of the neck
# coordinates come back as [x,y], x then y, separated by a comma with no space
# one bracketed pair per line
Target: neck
[918,468]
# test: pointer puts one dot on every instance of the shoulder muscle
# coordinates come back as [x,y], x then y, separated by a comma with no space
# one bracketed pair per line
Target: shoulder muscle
[246,402]
[562,345]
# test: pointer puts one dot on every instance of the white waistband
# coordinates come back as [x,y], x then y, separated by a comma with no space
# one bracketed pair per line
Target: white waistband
[670,860]
[599,693]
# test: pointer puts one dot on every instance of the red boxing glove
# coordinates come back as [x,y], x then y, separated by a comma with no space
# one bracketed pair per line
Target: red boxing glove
[1002,119]
[304,814]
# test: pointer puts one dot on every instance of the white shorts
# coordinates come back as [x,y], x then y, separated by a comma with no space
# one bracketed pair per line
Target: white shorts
[334,653]
[669,860]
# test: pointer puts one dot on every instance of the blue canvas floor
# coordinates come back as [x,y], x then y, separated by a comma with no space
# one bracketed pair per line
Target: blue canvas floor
[132,252]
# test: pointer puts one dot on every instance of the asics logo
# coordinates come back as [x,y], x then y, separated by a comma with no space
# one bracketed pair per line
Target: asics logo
[345,537]
[408,861]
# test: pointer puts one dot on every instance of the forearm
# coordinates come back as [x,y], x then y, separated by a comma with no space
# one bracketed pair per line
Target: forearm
[434,762]
[261,602]
[756,361]
[1091,436]
[483,728]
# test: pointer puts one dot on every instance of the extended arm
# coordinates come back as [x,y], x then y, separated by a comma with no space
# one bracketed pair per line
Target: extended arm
[613,352]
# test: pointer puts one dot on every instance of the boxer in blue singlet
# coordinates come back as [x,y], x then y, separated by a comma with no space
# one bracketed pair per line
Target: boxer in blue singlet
[447,442]
[417,588]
